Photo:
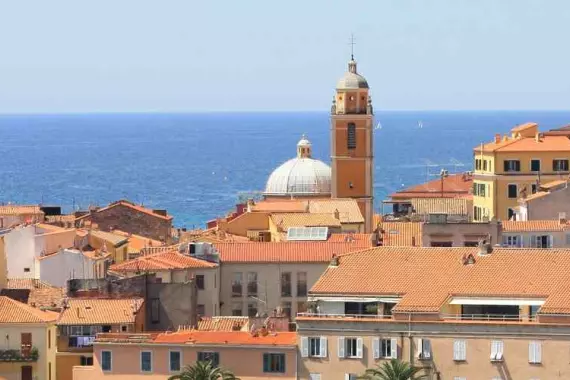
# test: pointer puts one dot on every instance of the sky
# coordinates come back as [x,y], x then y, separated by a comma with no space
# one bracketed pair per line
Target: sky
[191,56]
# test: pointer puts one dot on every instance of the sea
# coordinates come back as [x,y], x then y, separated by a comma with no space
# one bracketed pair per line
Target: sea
[199,165]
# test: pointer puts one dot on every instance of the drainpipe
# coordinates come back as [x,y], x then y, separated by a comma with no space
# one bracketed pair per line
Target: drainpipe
[411,340]
[296,364]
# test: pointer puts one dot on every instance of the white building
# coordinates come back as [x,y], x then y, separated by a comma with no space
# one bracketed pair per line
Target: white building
[69,264]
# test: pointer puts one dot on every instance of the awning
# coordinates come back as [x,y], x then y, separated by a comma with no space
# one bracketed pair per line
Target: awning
[355,299]
[496,301]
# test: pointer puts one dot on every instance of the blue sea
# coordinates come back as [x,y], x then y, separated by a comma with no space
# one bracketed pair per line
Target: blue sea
[197,165]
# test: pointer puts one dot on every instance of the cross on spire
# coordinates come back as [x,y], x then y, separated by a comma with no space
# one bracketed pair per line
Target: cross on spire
[352,43]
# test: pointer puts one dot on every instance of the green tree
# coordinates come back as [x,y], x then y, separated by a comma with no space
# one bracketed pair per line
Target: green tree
[393,370]
[203,371]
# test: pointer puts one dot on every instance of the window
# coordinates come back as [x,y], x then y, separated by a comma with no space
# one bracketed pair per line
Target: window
[479,189]
[49,370]
[512,190]
[560,165]
[200,281]
[350,376]
[26,270]
[541,241]
[208,356]
[459,350]
[237,309]
[302,306]
[49,338]
[424,349]
[513,241]
[106,361]
[301,284]
[236,284]
[470,243]
[315,347]
[314,376]
[175,360]
[124,328]
[351,136]
[459,378]
[155,310]
[477,164]
[349,347]
[286,284]
[385,348]
[252,284]
[535,352]
[534,165]
[200,309]
[251,309]
[496,350]
[512,166]
[533,188]
[510,214]
[146,361]
[86,360]
[274,363]
[286,307]
[484,165]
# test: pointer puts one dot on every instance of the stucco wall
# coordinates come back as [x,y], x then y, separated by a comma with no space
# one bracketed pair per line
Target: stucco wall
[20,252]
[58,268]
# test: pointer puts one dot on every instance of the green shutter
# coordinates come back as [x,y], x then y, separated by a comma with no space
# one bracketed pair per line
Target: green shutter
[265,362]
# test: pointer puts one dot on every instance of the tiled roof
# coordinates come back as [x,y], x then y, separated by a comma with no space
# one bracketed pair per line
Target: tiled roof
[70,218]
[348,209]
[96,311]
[115,239]
[286,252]
[533,226]
[12,311]
[403,234]
[138,242]
[363,239]
[426,277]
[223,323]
[301,219]
[132,206]
[240,338]
[26,283]
[20,210]
[546,143]
[450,206]
[292,205]
[41,298]
[454,185]
[161,261]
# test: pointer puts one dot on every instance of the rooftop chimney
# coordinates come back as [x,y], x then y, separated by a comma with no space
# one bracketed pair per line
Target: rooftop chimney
[336,214]
[562,218]
[537,137]
[485,247]
[334,261]
[497,138]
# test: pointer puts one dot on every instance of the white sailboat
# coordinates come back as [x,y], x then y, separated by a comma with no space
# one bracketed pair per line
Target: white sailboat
[420,124]
[378,126]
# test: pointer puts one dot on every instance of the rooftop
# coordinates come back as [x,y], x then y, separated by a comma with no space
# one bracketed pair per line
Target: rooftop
[97,311]
[168,260]
[20,210]
[534,226]
[407,234]
[297,219]
[26,283]
[110,237]
[12,311]
[348,209]
[133,206]
[224,323]
[454,185]
[504,273]
[450,206]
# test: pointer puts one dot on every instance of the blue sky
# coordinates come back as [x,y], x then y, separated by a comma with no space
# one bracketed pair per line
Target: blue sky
[148,55]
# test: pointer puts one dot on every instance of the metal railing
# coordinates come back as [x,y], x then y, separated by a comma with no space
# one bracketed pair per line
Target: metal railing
[443,317]
[354,316]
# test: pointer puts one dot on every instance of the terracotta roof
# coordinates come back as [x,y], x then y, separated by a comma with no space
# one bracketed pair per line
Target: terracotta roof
[138,242]
[70,218]
[292,205]
[533,226]
[26,283]
[93,254]
[42,298]
[132,206]
[524,126]
[454,185]
[114,239]
[97,311]
[285,252]
[20,210]
[450,206]
[538,194]
[223,323]
[12,311]
[240,338]
[547,143]
[161,261]
[403,234]
[348,209]
[553,184]
[363,239]
[301,219]
[426,277]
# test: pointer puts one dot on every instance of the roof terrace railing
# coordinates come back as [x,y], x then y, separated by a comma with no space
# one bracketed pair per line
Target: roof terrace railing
[355,316]
[447,317]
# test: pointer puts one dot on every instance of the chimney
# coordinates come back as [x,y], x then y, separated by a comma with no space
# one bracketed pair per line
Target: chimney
[505,138]
[537,137]
[334,261]
[336,214]
[250,204]
[497,138]
[485,247]
[413,241]
[562,218]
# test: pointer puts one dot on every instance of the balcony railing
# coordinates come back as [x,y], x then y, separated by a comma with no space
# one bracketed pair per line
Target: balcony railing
[354,316]
[444,317]
[19,355]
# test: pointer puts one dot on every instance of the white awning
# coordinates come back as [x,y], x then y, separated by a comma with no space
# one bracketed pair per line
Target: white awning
[496,301]
[356,299]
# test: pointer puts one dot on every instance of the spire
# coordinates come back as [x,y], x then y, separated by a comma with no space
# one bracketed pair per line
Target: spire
[352,62]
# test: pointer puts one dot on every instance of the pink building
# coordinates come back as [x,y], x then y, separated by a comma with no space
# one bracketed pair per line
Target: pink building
[160,355]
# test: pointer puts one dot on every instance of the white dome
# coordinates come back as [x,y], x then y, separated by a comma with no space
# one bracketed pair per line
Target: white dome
[300,176]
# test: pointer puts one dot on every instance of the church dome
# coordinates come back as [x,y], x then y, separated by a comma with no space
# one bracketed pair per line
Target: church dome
[300,176]
[351,79]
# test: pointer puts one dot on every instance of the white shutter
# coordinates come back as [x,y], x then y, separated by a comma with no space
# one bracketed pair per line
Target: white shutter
[347,376]
[359,347]
[456,350]
[426,348]
[341,347]
[531,352]
[521,241]
[500,347]
[376,348]
[494,350]
[394,348]
[550,241]
[419,347]
[304,347]
[537,352]
[323,347]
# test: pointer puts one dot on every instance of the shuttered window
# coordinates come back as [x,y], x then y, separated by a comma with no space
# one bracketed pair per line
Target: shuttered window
[351,136]
[535,352]
[459,350]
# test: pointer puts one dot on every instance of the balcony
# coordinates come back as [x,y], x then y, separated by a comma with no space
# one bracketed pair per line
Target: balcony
[75,343]
[19,355]
[492,318]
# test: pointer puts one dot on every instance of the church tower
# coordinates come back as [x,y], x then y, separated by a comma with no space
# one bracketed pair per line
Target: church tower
[352,146]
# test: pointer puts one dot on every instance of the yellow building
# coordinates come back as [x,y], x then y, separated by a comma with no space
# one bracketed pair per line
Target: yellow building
[28,344]
[513,166]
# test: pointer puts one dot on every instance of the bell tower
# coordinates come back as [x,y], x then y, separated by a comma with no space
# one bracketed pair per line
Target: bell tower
[352,146]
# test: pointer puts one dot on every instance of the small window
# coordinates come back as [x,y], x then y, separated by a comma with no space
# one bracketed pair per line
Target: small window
[512,166]
[49,338]
[146,361]
[301,284]
[175,361]
[27,270]
[512,191]
[534,165]
[424,349]
[315,347]
[237,284]
[208,356]
[286,284]
[484,165]
[86,360]
[106,361]
[351,376]
[201,309]
[200,281]
[512,241]
[237,309]
[286,307]
[314,376]
[496,350]
[155,310]
[251,309]
[459,350]
[477,164]
[252,284]
[124,328]
[387,348]
[352,347]
[510,214]
[351,136]
[533,188]
[274,363]
[560,165]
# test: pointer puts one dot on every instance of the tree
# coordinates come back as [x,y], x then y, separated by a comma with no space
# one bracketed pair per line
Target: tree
[393,370]
[203,371]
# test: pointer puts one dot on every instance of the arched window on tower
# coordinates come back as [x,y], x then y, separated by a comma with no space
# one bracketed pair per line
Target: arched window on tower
[351,136]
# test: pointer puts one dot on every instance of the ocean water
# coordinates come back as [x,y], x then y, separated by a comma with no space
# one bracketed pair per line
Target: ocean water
[196,165]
